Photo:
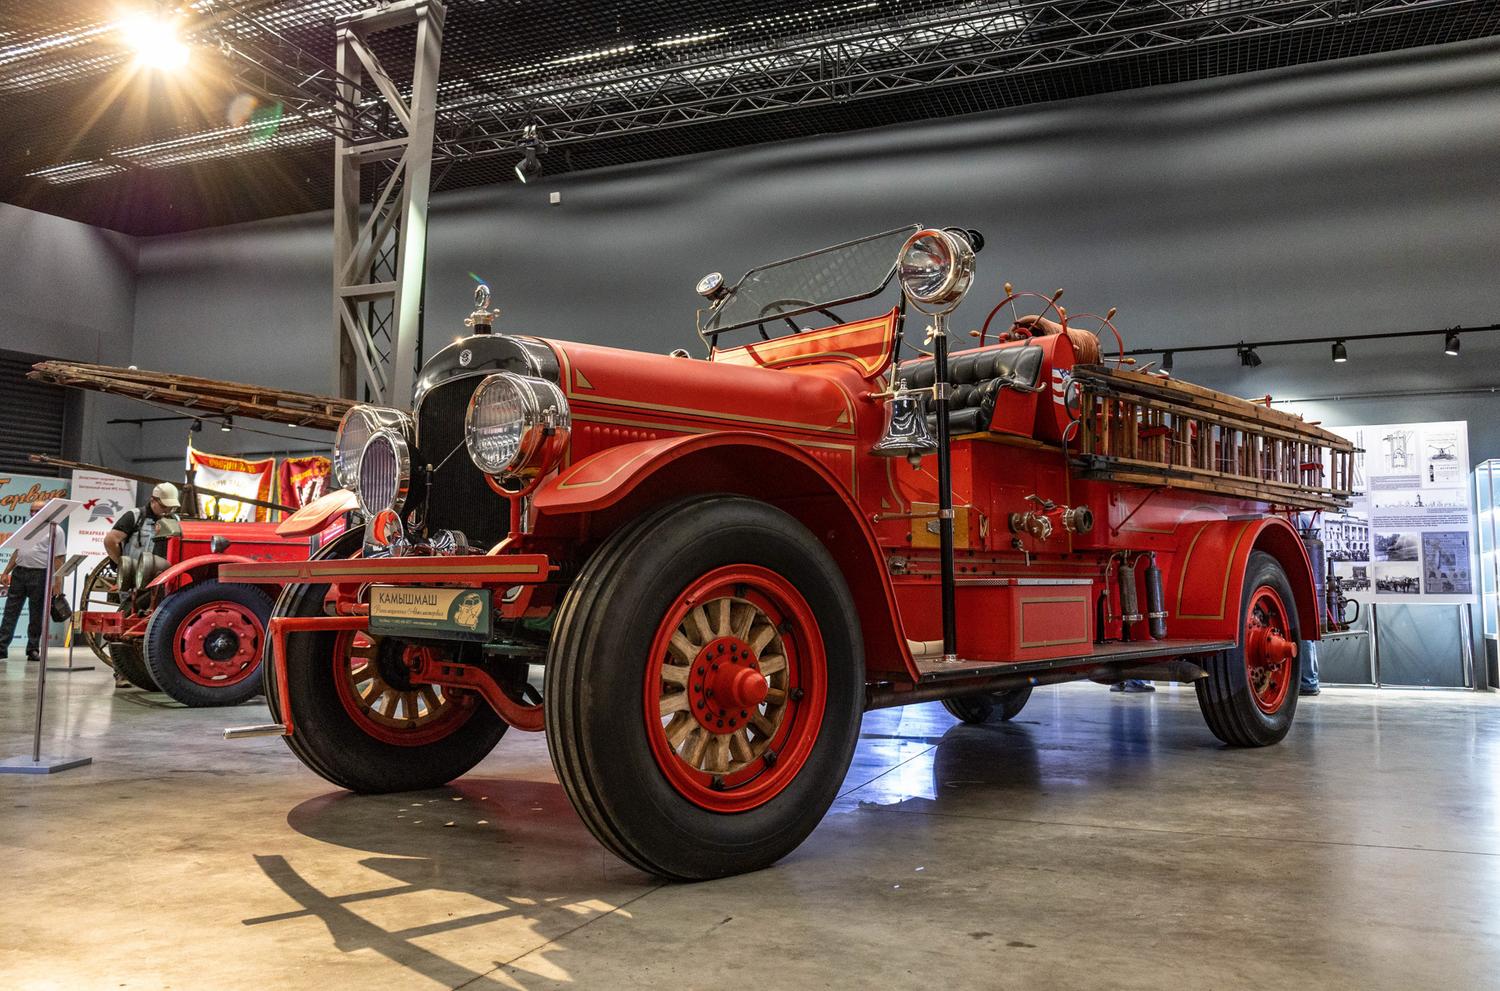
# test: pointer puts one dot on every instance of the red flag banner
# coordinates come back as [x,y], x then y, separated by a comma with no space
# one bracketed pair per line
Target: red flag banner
[301,480]
[251,479]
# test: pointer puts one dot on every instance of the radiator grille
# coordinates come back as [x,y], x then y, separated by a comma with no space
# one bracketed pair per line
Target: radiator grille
[458,497]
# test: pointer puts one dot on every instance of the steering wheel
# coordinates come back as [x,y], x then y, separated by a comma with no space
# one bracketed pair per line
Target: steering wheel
[793,303]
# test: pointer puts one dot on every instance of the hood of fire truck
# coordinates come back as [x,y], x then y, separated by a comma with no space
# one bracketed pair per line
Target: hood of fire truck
[625,388]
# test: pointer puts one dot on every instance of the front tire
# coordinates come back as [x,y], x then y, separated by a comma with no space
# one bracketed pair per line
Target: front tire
[357,724]
[204,643]
[975,709]
[704,688]
[1250,695]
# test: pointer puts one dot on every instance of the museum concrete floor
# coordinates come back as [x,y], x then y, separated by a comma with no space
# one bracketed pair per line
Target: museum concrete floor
[1099,841]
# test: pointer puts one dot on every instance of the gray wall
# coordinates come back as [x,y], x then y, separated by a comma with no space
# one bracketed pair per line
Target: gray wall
[1346,198]
[68,290]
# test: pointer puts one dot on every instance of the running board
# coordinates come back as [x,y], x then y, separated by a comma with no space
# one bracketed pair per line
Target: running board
[935,669]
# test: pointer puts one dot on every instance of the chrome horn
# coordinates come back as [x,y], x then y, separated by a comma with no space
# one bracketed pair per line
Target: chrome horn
[906,434]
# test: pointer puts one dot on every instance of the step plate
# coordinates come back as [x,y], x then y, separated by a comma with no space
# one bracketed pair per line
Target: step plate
[935,669]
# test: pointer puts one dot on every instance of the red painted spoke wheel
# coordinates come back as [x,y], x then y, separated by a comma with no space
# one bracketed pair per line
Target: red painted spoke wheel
[1269,649]
[219,644]
[735,688]
[370,677]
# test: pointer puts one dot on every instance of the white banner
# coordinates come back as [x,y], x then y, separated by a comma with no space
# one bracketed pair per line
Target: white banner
[1409,537]
[105,498]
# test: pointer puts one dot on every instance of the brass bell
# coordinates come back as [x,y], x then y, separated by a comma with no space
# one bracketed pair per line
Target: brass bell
[906,433]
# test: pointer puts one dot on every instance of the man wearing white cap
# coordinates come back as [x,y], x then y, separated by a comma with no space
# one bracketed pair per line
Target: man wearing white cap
[163,505]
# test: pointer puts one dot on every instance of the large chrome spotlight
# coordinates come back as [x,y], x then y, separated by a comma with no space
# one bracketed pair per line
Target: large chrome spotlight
[384,473]
[517,428]
[936,269]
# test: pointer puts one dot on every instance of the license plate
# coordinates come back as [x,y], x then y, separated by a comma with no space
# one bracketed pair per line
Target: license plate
[442,613]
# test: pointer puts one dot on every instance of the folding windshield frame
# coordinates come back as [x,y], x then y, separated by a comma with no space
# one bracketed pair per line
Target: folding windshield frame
[710,335]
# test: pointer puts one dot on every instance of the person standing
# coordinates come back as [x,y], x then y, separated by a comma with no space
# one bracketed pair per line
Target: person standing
[163,504]
[25,581]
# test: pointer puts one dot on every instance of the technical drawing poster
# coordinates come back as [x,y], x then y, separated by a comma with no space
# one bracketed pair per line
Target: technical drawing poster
[1407,538]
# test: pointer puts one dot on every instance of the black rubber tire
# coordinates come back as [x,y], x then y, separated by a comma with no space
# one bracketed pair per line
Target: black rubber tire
[1225,696]
[331,744]
[129,661]
[596,734]
[162,629]
[976,709]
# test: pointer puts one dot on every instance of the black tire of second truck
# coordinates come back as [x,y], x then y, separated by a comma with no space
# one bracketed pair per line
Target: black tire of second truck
[1226,697]
[165,627]
[976,709]
[129,661]
[601,656]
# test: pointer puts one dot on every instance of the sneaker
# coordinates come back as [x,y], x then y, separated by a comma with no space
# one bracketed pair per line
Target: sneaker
[4,654]
[1138,687]
[1118,686]
[1305,692]
[32,656]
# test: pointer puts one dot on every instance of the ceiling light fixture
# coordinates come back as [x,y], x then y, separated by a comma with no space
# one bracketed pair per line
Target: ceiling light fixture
[155,41]
[1450,344]
[1166,361]
[227,425]
[1340,353]
[1248,357]
[529,167]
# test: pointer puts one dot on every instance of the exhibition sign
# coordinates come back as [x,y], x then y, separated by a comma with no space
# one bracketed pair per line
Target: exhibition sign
[17,493]
[1408,537]
[250,479]
[102,499]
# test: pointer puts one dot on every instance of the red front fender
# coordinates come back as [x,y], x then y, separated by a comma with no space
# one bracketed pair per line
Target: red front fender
[1203,595]
[209,562]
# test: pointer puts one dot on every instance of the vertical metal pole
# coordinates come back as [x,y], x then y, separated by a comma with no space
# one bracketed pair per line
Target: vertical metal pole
[945,486]
[411,251]
[346,196]
[41,674]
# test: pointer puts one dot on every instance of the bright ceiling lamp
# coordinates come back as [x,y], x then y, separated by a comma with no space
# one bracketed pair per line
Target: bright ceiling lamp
[154,40]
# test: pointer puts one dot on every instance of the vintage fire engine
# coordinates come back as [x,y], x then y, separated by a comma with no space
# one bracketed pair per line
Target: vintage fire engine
[696,575]
[163,620]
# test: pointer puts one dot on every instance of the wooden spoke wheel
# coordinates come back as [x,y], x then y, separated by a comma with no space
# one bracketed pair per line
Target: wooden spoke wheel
[100,593]
[371,675]
[705,683]
[735,690]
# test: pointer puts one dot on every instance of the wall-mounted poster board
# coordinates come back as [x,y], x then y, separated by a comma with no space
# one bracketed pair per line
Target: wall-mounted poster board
[1409,537]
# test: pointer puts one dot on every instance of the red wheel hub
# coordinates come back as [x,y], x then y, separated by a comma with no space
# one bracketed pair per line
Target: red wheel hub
[735,688]
[1269,651]
[218,644]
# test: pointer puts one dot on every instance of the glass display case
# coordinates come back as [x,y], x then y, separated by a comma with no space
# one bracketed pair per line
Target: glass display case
[1486,496]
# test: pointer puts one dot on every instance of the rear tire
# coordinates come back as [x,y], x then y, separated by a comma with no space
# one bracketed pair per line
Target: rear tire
[975,709]
[204,643]
[129,661]
[716,602]
[1250,695]
[343,741]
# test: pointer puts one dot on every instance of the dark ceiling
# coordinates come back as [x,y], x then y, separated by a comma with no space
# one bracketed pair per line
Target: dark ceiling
[92,137]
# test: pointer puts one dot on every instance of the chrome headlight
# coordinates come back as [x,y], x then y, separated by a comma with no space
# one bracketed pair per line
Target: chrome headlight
[936,267]
[384,472]
[355,430]
[517,427]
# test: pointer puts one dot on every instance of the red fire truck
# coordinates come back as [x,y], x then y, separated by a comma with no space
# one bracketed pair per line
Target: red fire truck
[696,574]
[163,620]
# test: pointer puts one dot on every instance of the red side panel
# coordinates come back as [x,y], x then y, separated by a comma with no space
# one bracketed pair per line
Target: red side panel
[1203,591]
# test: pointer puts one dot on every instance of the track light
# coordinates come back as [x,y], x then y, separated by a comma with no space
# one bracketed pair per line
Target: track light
[1450,344]
[154,39]
[1340,353]
[1166,361]
[1248,357]
[227,425]
[529,167]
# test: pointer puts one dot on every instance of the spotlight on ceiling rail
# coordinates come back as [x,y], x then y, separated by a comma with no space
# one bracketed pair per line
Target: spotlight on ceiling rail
[529,167]
[154,39]
[1166,361]
[1340,353]
[1248,357]
[1450,344]
[227,424]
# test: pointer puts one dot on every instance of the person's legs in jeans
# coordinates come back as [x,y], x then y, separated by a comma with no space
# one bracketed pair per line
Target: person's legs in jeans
[14,600]
[36,588]
[1308,649]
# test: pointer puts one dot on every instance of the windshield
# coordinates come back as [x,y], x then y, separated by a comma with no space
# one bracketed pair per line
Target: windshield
[844,273]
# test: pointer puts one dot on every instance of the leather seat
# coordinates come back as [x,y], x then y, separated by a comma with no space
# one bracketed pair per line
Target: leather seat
[977,377]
